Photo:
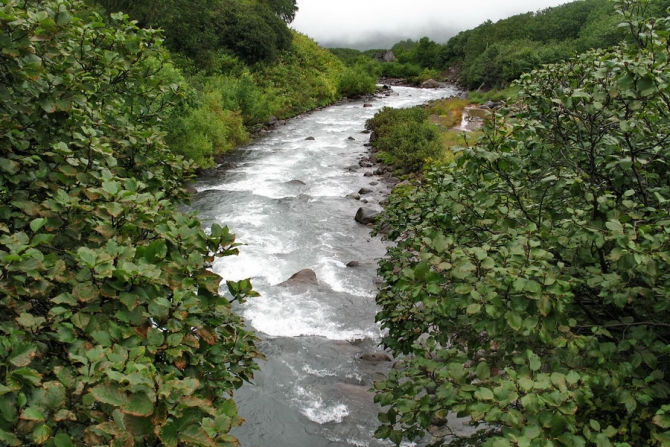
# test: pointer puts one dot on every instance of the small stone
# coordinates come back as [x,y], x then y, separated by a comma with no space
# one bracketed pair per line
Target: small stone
[351,139]
[376,357]
[363,191]
[367,104]
[310,139]
[353,264]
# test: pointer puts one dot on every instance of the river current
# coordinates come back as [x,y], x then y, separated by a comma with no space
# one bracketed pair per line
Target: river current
[285,198]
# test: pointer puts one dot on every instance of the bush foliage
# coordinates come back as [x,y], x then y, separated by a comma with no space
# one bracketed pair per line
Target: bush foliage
[528,290]
[405,136]
[112,330]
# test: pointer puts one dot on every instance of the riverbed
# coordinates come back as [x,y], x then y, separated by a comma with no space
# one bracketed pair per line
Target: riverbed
[288,199]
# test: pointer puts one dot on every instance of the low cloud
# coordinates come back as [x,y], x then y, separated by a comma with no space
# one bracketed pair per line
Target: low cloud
[365,24]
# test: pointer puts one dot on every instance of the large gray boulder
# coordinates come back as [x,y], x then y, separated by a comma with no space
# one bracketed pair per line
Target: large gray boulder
[385,56]
[366,215]
[303,277]
[431,83]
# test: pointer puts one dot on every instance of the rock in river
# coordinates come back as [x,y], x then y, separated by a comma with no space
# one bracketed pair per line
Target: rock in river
[303,277]
[366,215]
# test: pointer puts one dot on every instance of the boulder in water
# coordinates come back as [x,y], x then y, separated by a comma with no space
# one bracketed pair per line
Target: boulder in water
[367,104]
[353,264]
[376,357]
[310,139]
[296,182]
[303,277]
[365,191]
[366,215]
[431,83]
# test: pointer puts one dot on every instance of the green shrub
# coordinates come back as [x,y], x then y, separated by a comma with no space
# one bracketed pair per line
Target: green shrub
[301,79]
[398,70]
[406,135]
[208,131]
[112,330]
[529,287]
[354,81]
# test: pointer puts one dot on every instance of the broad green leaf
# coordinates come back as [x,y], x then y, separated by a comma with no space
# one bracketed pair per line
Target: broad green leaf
[139,405]
[32,414]
[22,354]
[110,393]
[63,440]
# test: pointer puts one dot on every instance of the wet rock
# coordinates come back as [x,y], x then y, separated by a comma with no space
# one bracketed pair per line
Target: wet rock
[310,139]
[368,174]
[431,83]
[379,171]
[365,164]
[191,190]
[374,183]
[354,196]
[351,139]
[393,181]
[303,277]
[353,168]
[491,105]
[367,104]
[373,137]
[363,191]
[366,215]
[365,131]
[296,182]
[353,264]
[376,357]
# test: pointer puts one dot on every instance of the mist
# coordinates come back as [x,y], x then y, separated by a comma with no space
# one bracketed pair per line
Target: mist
[366,24]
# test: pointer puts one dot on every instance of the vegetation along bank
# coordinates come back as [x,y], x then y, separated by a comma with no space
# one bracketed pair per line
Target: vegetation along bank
[528,287]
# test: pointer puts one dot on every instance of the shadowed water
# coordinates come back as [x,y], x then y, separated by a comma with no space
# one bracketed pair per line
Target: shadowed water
[313,389]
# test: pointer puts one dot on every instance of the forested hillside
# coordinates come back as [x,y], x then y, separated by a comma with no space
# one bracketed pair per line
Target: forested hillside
[528,290]
[494,54]
[235,64]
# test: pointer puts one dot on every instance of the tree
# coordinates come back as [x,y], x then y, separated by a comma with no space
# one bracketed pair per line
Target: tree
[112,330]
[529,287]
[284,9]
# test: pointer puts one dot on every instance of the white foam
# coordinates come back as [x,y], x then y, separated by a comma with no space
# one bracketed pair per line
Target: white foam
[334,272]
[318,372]
[293,315]
[315,409]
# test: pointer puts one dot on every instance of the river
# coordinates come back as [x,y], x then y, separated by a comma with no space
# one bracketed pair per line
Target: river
[286,200]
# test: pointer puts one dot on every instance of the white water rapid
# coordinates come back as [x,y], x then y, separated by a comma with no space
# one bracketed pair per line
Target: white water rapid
[286,200]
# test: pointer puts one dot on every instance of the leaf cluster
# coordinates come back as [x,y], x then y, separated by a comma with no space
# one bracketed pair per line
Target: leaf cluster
[112,330]
[528,290]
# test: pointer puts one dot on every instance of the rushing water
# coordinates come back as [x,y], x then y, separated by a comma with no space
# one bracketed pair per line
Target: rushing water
[286,200]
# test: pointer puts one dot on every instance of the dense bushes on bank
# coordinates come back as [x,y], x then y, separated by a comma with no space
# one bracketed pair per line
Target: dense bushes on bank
[528,290]
[236,64]
[404,137]
[112,328]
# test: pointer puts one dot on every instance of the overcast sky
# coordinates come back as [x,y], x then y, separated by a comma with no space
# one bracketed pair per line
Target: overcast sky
[365,24]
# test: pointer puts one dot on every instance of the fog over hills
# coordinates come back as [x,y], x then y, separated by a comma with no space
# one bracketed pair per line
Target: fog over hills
[365,24]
